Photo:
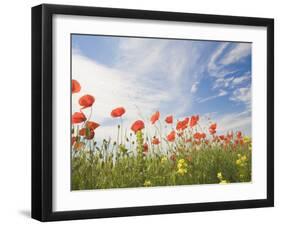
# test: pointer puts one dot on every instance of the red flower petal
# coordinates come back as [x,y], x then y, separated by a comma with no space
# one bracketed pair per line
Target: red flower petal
[118,112]
[86,101]
[169,119]
[171,136]
[155,117]
[137,125]
[75,86]
[92,125]
[78,117]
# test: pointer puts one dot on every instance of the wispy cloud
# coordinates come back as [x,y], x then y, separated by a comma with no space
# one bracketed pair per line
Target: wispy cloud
[242,95]
[240,80]
[239,52]
[220,94]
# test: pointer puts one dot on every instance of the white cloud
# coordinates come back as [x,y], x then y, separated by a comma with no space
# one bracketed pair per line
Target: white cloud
[212,65]
[240,51]
[242,95]
[234,122]
[222,82]
[194,87]
[239,80]
[220,94]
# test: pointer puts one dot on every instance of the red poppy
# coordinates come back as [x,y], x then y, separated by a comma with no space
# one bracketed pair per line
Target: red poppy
[194,119]
[169,119]
[213,126]
[182,125]
[118,112]
[221,137]
[239,134]
[197,136]
[86,101]
[73,140]
[212,131]
[145,148]
[137,125]
[92,125]
[155,117]
[89,136]
[171,136]
[230,135]
[78,117]
[75,86]
[203,135]
[155,141]
[82,132]
[185,121]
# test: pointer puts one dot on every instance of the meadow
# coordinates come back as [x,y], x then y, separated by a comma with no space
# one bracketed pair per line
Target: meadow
[188,154]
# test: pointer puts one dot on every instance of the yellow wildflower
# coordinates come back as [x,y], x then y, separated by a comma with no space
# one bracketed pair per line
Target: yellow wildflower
[243,158]
[223,182]
[147,183]
[219,175]
[182,171]
[238,162]
[164,159]
[246,139]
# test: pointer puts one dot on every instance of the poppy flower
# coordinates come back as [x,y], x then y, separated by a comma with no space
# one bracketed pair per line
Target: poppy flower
[82,132]
[197,136]
[182,125]
[118,112]
[171,136]
[155,117]
[203,135]
[213,126]
[145,148]
[239,134]
[86,101]
[185,121]
[92,125]
[194,119]
[87,133]
[75,86]
[230,135]
[91,135]
[73,140]
[78,117]
[221,137]
[155,141]
[169,119]
[137,125]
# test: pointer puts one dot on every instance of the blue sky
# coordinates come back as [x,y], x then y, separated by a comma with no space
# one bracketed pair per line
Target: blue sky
[179,77]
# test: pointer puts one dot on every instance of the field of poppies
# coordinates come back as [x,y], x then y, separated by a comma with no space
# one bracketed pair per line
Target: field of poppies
[189,153]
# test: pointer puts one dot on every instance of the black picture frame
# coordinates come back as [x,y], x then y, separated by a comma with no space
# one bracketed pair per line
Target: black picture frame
[42,107]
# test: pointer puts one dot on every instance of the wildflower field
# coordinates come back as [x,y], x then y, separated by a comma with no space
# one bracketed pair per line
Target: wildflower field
[190,153]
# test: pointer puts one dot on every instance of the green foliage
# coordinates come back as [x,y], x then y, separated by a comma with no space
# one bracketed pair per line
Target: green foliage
[101,169]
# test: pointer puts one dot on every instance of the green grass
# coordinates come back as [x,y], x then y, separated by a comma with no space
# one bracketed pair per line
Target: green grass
[102,169]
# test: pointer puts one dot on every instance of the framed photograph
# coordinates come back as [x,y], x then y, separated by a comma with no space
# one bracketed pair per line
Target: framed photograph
[145,112]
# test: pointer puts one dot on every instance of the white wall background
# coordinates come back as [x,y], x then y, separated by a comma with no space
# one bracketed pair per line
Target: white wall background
[15,128]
